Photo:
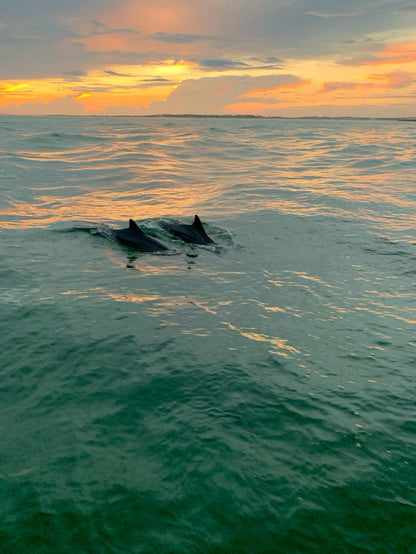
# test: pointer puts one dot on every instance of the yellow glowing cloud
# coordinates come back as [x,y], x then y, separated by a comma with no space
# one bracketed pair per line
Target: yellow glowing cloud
[82,95]
[12,88]
[134,86]
[33,91]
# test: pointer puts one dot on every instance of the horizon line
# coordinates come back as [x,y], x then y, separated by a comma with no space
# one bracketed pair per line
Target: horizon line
[224,116]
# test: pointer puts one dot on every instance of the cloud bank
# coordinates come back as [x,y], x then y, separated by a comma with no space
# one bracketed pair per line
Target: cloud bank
[99,56]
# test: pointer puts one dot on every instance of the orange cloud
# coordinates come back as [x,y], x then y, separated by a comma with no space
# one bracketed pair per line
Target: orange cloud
[19,93]
[106,43]
[135,86]
[65,105]
[134,98]
[398,79]
[151,16]
[273,92]
[255,108]
[398,53]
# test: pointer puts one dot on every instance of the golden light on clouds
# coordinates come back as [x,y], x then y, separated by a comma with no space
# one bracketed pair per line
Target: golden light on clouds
[397,53]
[184,57]
[12,88]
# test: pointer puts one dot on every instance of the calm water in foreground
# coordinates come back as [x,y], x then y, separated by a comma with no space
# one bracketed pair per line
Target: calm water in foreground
[255,397]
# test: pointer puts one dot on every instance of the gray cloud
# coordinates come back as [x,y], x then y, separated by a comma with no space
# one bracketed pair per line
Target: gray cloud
[99,28]
[156,80]
[222,64]
[410,8]
[268,60]
[47,38]
[42,8]
[74,73]
[178,38]
[330,15]
[157,83]
[301,28]
[338,85]
[115,73]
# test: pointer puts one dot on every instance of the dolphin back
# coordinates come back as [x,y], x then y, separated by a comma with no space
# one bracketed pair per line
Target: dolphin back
[194,233]
[135,238]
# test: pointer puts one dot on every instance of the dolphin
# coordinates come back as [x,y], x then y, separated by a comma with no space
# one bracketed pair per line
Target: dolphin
[136,238]
[194,233]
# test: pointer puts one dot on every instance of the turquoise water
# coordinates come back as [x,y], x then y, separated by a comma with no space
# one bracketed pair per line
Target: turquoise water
[255,397]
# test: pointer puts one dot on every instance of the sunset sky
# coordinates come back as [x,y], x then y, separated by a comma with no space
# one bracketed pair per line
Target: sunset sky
[268,57]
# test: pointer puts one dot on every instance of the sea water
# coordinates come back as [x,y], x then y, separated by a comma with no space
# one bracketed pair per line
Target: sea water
[253,397]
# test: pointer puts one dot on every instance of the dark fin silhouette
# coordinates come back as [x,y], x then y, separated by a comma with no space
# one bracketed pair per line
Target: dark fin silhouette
[134,227]
[198,224]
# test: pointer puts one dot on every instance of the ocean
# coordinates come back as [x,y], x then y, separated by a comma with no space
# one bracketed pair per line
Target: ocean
[256,396]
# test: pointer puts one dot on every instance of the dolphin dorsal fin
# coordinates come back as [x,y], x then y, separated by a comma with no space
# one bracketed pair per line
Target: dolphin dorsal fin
[198,224]
[134,227]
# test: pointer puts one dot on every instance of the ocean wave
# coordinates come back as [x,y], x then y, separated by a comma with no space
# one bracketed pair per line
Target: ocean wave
[236,398]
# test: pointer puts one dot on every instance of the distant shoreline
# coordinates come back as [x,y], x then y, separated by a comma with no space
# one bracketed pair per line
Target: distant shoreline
[223,116]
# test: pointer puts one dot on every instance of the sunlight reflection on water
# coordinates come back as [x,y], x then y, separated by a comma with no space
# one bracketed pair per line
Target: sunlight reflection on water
[145,171]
